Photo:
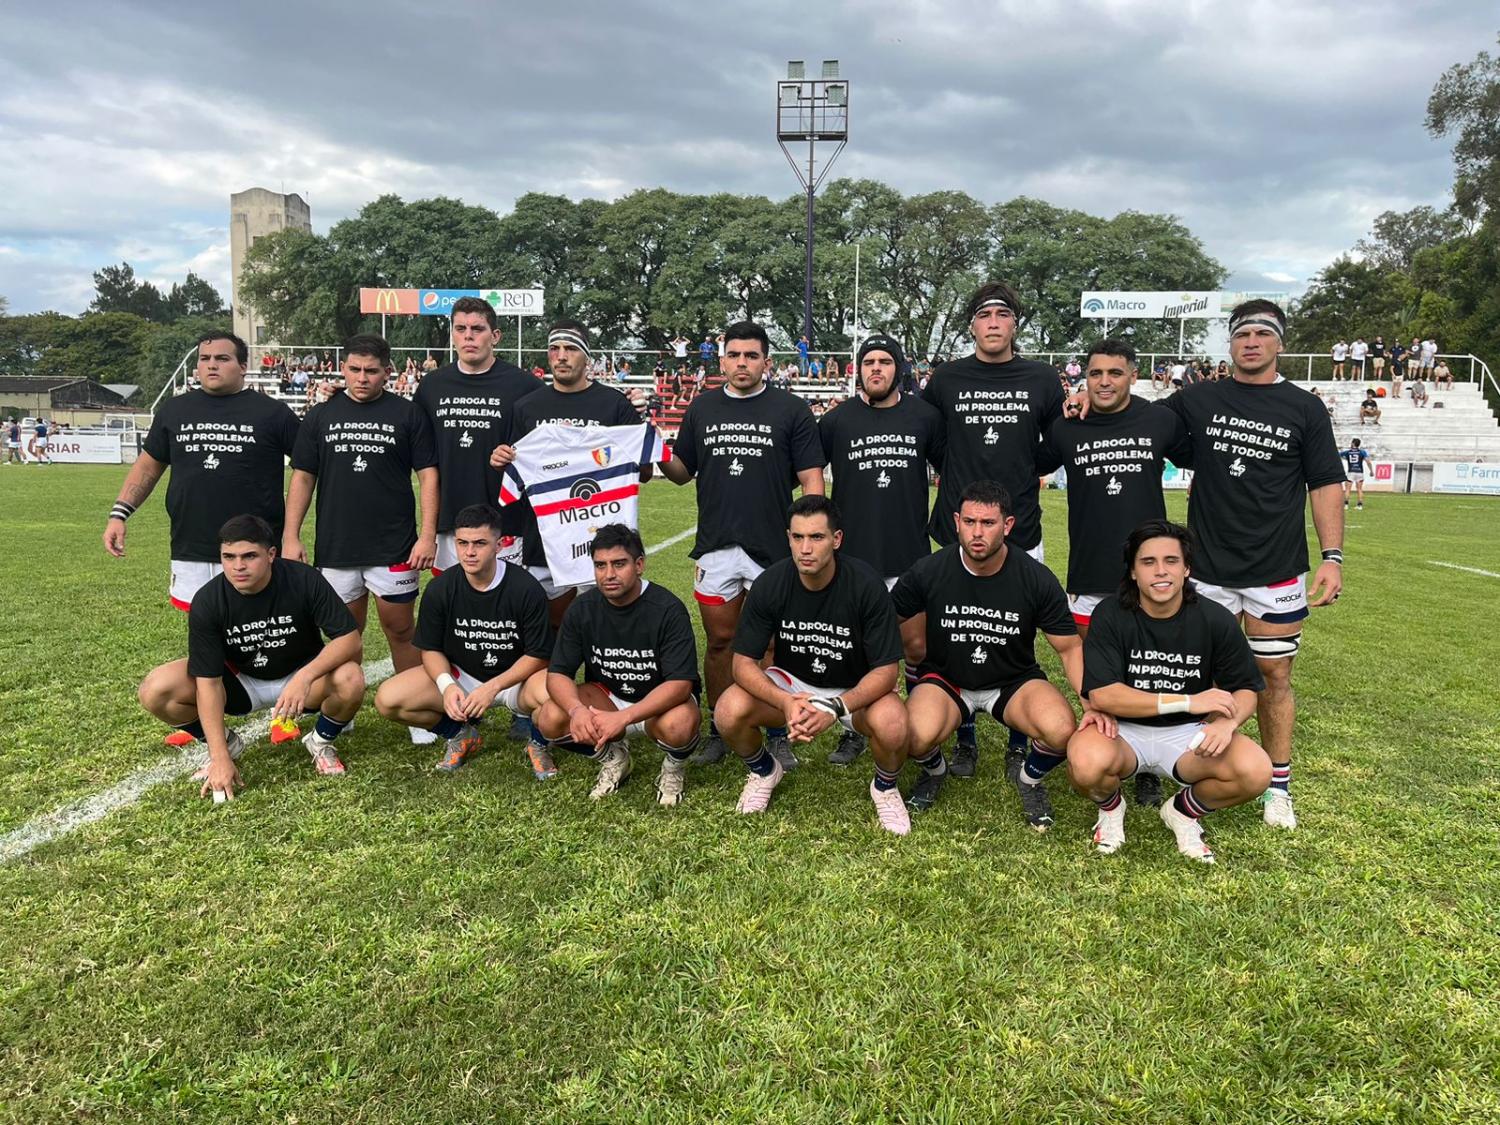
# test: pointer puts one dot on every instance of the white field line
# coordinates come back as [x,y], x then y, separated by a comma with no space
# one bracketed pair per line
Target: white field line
[1469,569]
[68,818]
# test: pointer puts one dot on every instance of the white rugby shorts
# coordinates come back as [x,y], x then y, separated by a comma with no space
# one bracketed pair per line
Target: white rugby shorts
[1082,606]
[187,579]
[1280,603]
[390,583]
[510,698]
[1158,748]
[447,553]
[544,575]
[723,575]
[788,682]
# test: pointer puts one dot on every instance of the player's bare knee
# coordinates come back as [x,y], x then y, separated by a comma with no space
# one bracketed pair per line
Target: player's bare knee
[1090,756]
[387,704]
[732,712]
[680,725]
[550,719]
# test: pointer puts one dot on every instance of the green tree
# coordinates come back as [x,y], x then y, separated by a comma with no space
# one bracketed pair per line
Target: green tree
[116,290]
[1397,237]
[193,297]
[102,346]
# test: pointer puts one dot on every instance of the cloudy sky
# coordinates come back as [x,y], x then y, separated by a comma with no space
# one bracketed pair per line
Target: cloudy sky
[1277,132]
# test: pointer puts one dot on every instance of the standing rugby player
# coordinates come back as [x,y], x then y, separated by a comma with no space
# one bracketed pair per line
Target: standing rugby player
[635,643]
[995,406]
[879,445]
[1263,448]
[226,446]
[1114,459]
[830,621]
[359,450]
[747,444]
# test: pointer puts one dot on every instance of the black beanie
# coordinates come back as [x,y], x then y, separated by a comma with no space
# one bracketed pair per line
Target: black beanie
[883,343]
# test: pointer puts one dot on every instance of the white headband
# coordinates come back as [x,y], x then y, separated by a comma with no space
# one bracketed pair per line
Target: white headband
[994,303]
[568,336]
[1258,320]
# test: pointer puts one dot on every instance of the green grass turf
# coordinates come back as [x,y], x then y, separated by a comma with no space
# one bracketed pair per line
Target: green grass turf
[401,946]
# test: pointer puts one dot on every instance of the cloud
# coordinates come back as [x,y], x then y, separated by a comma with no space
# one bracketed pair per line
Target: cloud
[1276,134]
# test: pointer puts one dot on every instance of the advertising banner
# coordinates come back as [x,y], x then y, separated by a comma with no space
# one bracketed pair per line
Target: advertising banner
[1381,476]
[514,302]
[1466,476]
[1195,305]
[77,449]
[1173,477]
[396,302]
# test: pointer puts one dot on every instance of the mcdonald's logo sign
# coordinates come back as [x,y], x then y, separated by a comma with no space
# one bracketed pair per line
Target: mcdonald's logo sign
[398,302]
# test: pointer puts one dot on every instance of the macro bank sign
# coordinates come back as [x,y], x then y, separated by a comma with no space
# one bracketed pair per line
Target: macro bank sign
[439,302]
[1193,305]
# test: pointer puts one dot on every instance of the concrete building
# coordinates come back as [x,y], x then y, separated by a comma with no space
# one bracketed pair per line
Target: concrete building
[253,213]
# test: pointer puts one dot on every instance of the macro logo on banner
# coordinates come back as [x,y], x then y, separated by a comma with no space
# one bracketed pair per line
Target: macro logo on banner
[439,302]
[1473,477]
[1194,304]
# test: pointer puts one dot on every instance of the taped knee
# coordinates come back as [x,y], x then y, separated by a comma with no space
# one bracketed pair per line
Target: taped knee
[1276,648]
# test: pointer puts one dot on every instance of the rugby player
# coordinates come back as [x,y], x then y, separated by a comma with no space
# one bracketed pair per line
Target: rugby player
[1262,449]
[1354,459]
[746,443]
[1114,459]
[256,639]
[358,451]
[837,647]
[1178,675]
[995,406]
[635,643]
[468,404]
[573,399]
[482,632]
[879,445]
[227,448]
[984,601]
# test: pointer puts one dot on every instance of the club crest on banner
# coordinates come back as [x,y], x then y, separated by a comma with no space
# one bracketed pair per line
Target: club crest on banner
[601,456]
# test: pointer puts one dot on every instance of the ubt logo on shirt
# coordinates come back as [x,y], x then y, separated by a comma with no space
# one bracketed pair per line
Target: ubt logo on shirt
[991,436]
[1113,488]
[980,655]
[210,462]
[736,468]
[260,661]
[1237,468]
[466,440]
[883,480]
[490,659]
[818,666]
[360,464]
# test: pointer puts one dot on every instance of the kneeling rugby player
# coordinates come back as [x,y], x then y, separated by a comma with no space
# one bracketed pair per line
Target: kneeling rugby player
[1179,675]
[635,643]
[482,631]
[255,640]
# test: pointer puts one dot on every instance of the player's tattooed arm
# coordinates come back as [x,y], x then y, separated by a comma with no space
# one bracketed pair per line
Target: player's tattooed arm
[139,482]
[1328,518]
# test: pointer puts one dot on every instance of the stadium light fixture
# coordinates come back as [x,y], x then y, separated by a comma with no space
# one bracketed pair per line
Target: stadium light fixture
[809,110]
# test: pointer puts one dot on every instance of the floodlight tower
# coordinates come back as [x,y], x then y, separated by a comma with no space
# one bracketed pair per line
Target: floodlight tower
[811,110]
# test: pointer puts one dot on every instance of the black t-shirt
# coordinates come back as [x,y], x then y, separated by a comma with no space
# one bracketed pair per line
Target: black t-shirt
[879,458]
[1257,449]
[595,405]
[994,414]
[1377,350]
[470,415]
[266,635]
[746,453]
[631,650]
[981,631]
[1198,648]
[228,458]
[829,638]
[363,454]
[1114,464]
[484,632]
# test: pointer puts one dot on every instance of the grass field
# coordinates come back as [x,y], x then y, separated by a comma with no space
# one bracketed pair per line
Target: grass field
[403,946]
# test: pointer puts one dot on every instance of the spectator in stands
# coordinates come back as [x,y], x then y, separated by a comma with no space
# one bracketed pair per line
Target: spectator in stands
[300,380]
[284,384]
[679,348]
[1429,353]
[1358,351]
[1369,409]
[1398,366]
[831,370]
[623,374]
[804,354]
[429,364]
[1222,371]
[1418,391]
[1442,375]
[1159,378]
[708,351]
[814,370]
[1327,405]
[1340,355]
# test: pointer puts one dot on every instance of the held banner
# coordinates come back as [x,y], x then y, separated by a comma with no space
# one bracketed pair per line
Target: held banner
[1474,477]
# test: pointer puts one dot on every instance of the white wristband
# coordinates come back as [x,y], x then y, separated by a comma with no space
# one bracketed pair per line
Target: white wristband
[1165,705]
[444,682]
